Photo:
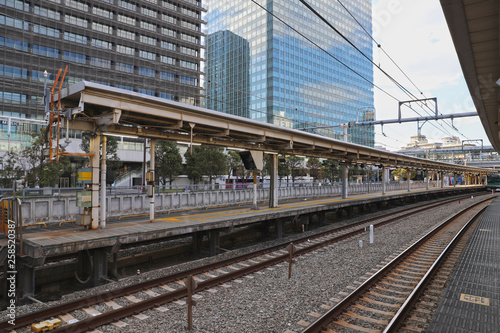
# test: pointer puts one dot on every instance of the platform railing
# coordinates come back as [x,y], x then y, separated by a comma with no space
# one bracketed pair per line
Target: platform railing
[59,204]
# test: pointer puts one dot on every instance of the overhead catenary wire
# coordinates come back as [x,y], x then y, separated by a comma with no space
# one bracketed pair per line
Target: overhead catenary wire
[395,64]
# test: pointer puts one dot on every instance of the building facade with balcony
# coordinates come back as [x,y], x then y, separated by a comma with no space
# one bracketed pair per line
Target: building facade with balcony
[152,47]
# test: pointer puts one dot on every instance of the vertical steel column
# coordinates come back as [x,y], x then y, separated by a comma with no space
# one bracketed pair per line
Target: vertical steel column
[441,175]
[273,190]
[103,182]
[408,180]
[345,178]
[384,179]
[152,171]
[95,142]
[428,179]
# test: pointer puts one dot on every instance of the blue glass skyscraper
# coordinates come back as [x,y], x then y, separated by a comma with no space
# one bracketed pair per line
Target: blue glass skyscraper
[291,81]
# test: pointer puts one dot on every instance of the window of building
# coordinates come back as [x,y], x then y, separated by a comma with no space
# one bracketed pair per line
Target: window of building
[169,5]
[126,5]
[147,72]
[167,60]
[146,92]
[76,21]
[102,28]
[166,96]
[127,68]
[126,19]
[168,32]
[168,45]
[189,25]
[190,12]
[12,98]
[45,51]
[147,55]
[48,13]
[102,44]
[75,38]
[77,5]
[167,76]
[169,19]
[148,12]
[148,26]
[148,40]
[188,64]
[99,62]
[74,57]
[125,34]
[187,80]
[17,4]
[124,87]
[189,38]
[102,12]
[189,51]
[14,44]
[13,72]
[14,23]
[43,30]
[125,50]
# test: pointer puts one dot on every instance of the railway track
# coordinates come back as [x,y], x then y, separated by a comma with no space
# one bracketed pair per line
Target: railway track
[383,302]
[154,293]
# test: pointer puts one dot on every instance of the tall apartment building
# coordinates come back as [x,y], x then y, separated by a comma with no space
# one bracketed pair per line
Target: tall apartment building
[148,46]
[291,80]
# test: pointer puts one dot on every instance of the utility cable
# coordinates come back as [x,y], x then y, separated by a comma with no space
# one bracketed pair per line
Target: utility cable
[395,64]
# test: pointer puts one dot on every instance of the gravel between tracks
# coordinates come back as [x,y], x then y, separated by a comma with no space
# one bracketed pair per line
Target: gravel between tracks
[269,301]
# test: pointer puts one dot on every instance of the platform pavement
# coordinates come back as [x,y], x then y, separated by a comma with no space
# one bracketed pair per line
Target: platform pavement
[471,300]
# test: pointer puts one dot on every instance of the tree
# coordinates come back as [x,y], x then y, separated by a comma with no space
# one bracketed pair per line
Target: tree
[11,170]
[37,167]
[168,161]
[295,165]
[314,166]
[283,169]
[205,161]
[400,174]
[234,164]
[332,169]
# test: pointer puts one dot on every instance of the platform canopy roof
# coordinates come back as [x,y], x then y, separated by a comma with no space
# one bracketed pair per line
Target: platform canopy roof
[474,27]
[109,110]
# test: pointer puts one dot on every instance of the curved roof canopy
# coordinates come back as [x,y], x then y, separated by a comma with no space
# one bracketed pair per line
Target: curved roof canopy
[474,27]
[97,107]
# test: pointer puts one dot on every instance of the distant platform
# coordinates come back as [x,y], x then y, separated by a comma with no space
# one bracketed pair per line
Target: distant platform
[41,243]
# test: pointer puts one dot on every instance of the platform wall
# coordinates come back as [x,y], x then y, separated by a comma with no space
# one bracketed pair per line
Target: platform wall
[58,209]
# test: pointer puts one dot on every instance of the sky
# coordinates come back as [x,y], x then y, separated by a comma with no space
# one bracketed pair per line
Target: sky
[415,35]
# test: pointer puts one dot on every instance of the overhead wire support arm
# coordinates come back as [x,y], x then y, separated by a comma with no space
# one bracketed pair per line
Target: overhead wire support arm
[419,100]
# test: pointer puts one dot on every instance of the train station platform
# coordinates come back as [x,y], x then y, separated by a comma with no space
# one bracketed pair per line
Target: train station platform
[471,300]
[39,244]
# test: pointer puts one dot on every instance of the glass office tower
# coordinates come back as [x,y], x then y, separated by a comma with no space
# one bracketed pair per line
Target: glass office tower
[293,82]
[147,46]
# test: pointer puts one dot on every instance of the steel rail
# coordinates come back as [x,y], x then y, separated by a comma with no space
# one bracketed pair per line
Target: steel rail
[322,322]
[75,305]
[407,306]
